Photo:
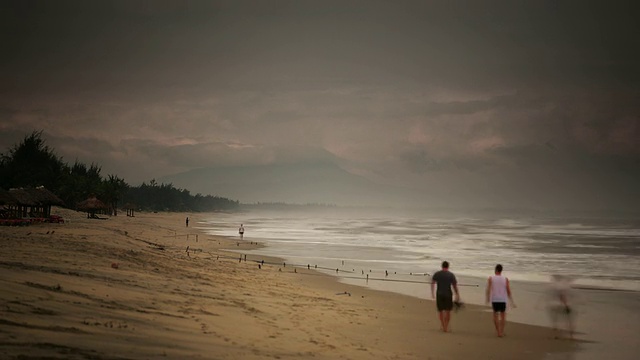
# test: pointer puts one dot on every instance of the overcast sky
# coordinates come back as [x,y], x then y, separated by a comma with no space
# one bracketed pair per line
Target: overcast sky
[506,103]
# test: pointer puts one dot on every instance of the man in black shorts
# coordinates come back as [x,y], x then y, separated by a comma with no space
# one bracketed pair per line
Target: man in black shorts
[444,297]
[499,293]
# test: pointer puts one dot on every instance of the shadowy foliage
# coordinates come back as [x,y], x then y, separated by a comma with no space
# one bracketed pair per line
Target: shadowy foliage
[165,197]
[31,163]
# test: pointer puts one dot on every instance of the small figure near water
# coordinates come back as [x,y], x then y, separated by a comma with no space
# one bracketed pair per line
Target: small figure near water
[560,309]
[241,231]
[445,280]
[187,221]
[498,292]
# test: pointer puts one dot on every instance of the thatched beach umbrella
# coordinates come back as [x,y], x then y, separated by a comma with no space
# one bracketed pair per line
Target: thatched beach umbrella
[91,205]
[130,208]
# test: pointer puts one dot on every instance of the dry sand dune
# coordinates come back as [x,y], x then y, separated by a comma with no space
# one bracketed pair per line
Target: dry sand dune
[127,288]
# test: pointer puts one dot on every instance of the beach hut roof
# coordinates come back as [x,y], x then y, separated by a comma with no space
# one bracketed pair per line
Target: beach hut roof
[32,197]
[44,196]
[92,203]
[23,197]
[6,198]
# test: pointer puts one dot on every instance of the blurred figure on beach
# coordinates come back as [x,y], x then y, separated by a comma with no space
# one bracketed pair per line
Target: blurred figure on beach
[499,293]
[560,307]
[445,281]
[241,231]
[187,221]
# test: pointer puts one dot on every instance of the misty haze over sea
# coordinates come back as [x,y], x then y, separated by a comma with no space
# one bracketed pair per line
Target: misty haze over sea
[596,250]
[324,182]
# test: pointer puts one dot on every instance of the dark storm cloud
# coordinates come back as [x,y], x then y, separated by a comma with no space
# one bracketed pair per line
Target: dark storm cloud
[413,93]
[475,44]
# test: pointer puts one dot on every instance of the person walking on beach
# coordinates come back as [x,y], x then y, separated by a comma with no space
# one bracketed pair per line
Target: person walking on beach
[241,231]
[445,280]
[560,304]
[187,221]
[498,292]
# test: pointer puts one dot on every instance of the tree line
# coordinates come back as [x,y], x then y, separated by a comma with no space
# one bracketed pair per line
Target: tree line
[32,163]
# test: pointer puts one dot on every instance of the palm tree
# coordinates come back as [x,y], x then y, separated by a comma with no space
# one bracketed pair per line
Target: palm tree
[113,190]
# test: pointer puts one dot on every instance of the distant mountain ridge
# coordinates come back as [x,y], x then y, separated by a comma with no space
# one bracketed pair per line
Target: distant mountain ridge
[300,183]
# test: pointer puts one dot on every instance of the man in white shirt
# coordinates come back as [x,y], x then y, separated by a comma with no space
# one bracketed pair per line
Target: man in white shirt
[498,292]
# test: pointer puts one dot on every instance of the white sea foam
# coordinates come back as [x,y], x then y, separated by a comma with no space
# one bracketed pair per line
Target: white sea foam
[530,249]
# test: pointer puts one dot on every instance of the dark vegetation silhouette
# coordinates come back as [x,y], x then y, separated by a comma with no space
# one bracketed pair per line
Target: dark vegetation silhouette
[32,163]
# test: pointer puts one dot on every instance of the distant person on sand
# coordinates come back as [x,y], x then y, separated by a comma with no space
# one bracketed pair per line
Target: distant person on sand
[498,292]
[445,280]
[187,221]
[560,308]
[241,231]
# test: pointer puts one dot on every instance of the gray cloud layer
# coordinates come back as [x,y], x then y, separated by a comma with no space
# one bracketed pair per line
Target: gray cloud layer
[468,103]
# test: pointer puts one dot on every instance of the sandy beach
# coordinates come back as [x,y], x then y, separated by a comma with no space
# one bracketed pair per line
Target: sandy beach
[147,287]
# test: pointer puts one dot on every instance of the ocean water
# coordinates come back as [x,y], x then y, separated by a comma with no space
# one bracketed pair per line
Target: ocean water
[396,249]
[595,251]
